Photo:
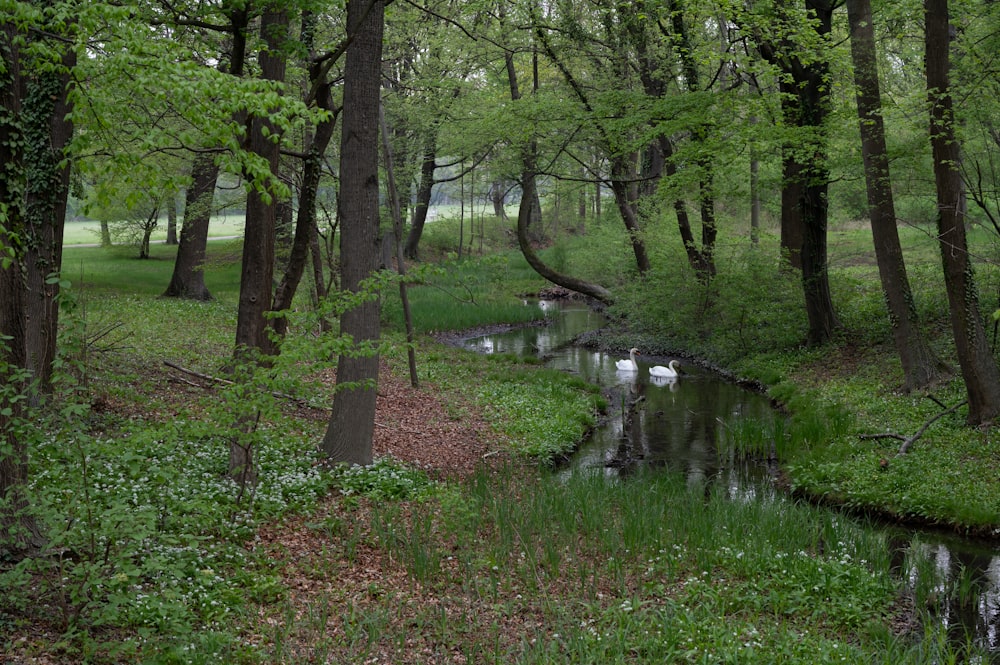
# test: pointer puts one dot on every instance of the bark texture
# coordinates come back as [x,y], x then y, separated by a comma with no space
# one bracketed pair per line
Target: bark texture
[979,367]
[188,279]
[804,203]
[19,532]
[257,272]
[920,366]
[349,432]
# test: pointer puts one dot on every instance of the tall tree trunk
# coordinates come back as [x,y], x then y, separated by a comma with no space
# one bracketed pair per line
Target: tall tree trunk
[397,234]
[699,134]
[804,204]
[259,236]
[188,278]
[694,255]
[349,433]
[20,534]
[48,130]
[920,366]
[423,202]
[305,226]
[19,531]
[620,178]
[979,367]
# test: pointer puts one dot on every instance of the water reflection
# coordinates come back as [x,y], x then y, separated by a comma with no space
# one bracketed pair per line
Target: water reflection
[683,424]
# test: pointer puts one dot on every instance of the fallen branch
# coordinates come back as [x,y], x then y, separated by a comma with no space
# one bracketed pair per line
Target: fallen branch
[909,440]
[293,398]
[920,432]
[218,379]
[884,435]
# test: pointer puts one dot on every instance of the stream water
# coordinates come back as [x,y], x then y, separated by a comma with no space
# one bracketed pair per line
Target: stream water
[681,425]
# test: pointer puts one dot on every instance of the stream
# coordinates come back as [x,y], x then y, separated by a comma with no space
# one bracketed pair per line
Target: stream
[681,425]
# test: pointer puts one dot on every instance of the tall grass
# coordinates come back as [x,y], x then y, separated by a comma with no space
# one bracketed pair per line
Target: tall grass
[458,295]
[578,569]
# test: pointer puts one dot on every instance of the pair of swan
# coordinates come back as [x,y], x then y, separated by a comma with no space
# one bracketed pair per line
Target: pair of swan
[657,371]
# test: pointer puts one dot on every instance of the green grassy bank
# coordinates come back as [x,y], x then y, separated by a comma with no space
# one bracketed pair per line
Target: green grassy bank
[163,560]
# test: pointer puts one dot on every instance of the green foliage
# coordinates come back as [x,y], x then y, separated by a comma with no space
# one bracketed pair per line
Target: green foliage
[644,571]
[460,295]
[385,478]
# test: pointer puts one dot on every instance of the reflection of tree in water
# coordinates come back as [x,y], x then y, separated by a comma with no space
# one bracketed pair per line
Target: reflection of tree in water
[628,454]
[959,584]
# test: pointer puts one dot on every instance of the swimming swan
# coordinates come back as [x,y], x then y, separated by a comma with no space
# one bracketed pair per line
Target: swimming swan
[661,372]
[630,364]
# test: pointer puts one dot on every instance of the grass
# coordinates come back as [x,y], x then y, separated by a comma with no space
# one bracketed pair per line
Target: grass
[88,232]
[585,571]
[460,295]
[750,320]
[518,566]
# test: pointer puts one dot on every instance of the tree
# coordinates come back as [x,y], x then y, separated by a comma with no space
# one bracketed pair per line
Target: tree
[46,126]
[979,367]
[320,93]
[529,195]
[257,268]
[349,432]
[920,366]
[35,130]
[805,88]
[188,279]
[623,178]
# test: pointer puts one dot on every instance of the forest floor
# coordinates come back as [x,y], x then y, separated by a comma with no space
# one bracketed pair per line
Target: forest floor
[416,426]
[421,427]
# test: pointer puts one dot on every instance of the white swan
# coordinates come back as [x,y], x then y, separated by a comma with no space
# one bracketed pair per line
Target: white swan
[630,364]
[661,372]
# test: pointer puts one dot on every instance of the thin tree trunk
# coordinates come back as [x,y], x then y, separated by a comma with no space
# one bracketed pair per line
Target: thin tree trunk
[147,232]
[305,227]
[423,202]
[706,202]
[349,432]
[920,366]
[979,367]
[397,225]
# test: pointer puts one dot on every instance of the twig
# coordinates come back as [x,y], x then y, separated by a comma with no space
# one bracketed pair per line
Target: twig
[207,377]
[909,441]
[297,400]
[218,379]
[884,435]
[181,379]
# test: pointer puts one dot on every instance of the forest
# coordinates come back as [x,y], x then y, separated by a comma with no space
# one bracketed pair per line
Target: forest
[239,240]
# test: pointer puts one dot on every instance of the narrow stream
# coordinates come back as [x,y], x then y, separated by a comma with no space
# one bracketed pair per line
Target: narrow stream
[681,425]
